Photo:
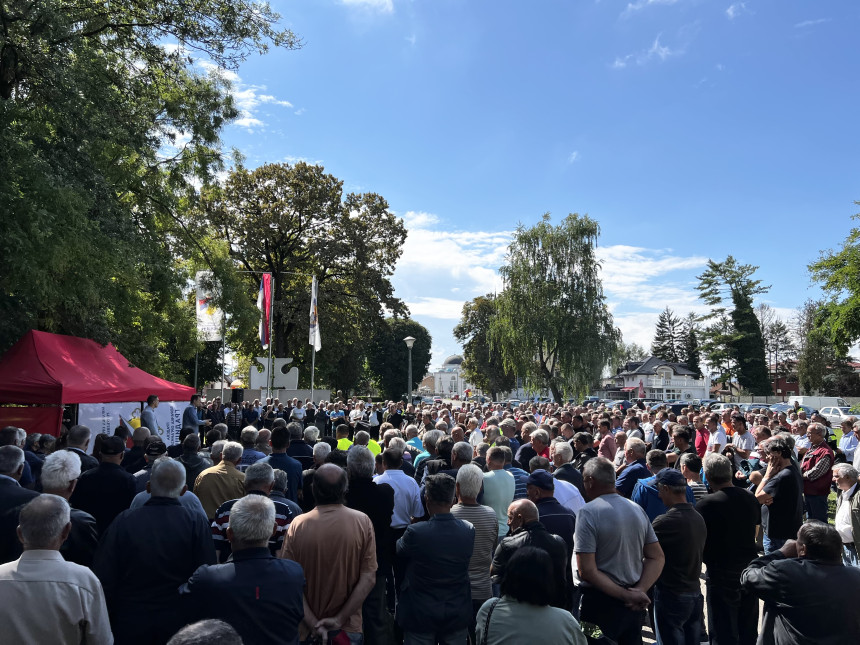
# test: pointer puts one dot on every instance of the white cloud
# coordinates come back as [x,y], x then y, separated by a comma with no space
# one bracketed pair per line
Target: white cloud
[736,10]
[419,219]
[574,156]
[299,112]
[633,7]
[248,98]
[385,6]
[431,307]
[811,23]
[657,50]
[411,40]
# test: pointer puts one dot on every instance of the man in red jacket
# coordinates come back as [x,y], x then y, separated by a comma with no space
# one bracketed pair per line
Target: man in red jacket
[817,471]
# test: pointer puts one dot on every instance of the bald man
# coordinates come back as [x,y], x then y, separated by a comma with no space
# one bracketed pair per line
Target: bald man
[526,530]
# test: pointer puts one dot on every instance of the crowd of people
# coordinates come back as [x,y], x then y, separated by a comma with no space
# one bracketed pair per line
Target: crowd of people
[354,522]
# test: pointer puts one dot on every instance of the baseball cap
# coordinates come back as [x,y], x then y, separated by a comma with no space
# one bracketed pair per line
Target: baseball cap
[670,477]
[113,446]
[541,479]
[156,448]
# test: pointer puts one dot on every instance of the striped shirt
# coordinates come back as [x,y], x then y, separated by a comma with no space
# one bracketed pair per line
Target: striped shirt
[521,477]
[699,490]
[283,517]
[483,519]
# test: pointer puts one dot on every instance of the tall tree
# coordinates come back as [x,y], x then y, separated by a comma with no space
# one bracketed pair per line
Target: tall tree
[666,337]
[837,272]
[482,364]
[780,347]
[388,356]
[817,352]
[104,134]
[553,326]
[626,353]
[689,347]
[730,280]
[294,221]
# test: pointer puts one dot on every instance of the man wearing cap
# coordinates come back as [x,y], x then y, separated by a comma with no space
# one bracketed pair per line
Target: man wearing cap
[152,452]
[681,532]
[107,490]
[645,492]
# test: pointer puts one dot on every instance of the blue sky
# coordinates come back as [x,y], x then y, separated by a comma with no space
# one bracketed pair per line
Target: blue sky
[688,129]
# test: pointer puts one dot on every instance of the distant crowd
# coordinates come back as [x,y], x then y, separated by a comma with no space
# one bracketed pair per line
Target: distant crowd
[386,523]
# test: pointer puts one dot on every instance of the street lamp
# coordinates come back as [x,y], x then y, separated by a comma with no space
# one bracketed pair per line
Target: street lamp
[410,341]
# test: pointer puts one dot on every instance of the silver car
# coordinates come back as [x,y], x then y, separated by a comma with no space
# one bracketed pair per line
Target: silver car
[835,415]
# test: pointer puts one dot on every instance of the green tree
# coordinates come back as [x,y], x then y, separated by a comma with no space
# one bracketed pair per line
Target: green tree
[294,221]
[482,364]
[667,337]
[689,347]
[626,353]
[103,135]
[388,356]
[838,273]
[553,326]
[730,280]
[817,352]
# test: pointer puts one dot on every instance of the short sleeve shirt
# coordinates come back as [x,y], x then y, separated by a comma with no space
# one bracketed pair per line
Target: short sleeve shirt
[743,441]
[615,530]
[717,438]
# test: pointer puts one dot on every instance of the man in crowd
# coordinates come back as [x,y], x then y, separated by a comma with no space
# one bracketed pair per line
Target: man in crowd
[279,459]
[437,555]
[339,573]
[792,581]
[147,417]
[607,447]
[191,459]
[848,512]
[526,530]
[221,482]
[636,468]
[681,532]
[520,476]
[250,454]
[377,502]
[105,491]
[78,441]
[12,497]
[60,474]
[717,439]
[191,414]
[259,480]
[133,460]
[499,487]
[646,492]
[483,519]
[618,557]
[256,593]
[817,471]
[731,515]
[299,449]
[154,450]
[147,553]
[780,494]
[44,598]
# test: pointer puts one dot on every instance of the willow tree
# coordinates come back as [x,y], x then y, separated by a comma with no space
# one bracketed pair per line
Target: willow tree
[553,327]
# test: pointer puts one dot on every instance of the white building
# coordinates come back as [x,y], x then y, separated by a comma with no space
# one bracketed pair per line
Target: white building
[448,380]
[660,380]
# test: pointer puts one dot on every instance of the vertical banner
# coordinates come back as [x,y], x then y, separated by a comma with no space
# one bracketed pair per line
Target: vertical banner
[210,319]
[169,417]
[264,304]
[103,418]
[314,338]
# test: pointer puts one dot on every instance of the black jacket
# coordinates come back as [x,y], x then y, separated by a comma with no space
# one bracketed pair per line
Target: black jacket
[12,498]
[257,594]
[568,473]
[797,605]
[104,493]
[534,534]
[80,546]
[88,462]
[194,464]
[377,502]
[133,460]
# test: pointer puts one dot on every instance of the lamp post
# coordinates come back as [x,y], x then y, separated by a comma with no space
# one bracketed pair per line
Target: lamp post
[410,341]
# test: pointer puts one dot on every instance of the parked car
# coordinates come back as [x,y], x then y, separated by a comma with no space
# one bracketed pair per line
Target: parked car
[624,403]
[437,399]
[785,407]
[721,407]
[835,415]
[818,402]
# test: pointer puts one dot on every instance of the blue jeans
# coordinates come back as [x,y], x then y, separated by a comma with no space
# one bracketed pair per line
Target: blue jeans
[771,545]
[816,507]
[677,617]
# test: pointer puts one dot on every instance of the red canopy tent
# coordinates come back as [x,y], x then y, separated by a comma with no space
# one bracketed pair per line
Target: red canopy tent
[51,369]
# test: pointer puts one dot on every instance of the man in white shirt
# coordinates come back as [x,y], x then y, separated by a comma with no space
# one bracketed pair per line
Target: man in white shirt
[717,439]
[848,442]
[298,412]
[743,441]
[44,598]
[847,512]
[407,494]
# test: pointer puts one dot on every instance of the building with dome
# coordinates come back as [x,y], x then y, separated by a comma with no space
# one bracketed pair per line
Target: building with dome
[448,379]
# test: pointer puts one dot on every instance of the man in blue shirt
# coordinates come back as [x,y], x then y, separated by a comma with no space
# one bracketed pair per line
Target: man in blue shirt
[191,415]
[279,459]
[634,453]
[645,491]
[259,595]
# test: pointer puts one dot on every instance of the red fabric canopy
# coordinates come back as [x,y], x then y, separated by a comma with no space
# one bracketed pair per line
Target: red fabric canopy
[55,369]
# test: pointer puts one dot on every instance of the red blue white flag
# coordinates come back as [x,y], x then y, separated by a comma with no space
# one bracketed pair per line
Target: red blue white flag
[264,304]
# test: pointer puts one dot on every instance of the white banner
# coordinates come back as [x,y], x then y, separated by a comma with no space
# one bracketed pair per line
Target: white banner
[104,417]
[169,417]
[209,317]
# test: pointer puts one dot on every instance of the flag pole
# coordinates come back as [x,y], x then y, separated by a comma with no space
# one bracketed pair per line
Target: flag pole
[271,378]
[223,354]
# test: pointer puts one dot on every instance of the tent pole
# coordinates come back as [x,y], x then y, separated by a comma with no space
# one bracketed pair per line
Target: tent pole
[196,359]
[271,380]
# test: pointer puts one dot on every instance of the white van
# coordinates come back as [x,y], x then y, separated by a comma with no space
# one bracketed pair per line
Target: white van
[818,402]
